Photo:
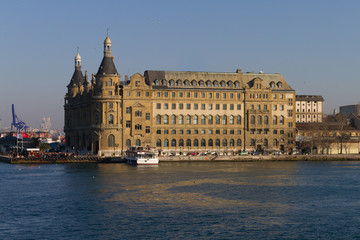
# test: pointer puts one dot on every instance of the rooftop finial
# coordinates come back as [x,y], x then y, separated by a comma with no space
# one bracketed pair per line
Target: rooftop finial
[107,32]
[77,49]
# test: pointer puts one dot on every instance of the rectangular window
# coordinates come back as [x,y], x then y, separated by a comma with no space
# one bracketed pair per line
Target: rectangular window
[238,96]
[252,131]
[281,107]
[210,95]
[258,131]
[147,130]
[210,131]
[111,105]
[210,106]
[231,106]
[173,94]
[217,95]
[252,106]
[166,94]
[137,94]
[265,107]
[238,131]
[166,131]
[181,94]
[128,93]
[158,106]
[195,95]
[166,106]
[224,106]
[232,132]
[195,106]
[217,131]
[188,131]
[224,95]
[203,95]
[281,96]
[188,94]
[137,84]
[188,106]
[275,132]
[239,107]
[231,95]
[147,94]
[203,106]
[158,94]
[258,107]
[128,124]
[147,116]
[224,131]
[290,124]
[202,131]
[128,110]
[275,107]
[181,131]
[158,131]
[110,93]
[173,106]
[290,113]
[217,106]
[181,106]
[274,96]
[196,132]
[173,132]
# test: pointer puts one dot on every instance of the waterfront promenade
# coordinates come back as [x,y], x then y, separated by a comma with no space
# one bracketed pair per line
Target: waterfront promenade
[219,158]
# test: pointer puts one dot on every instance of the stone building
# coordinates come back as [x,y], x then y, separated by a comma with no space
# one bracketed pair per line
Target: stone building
[178,111]
[309,108]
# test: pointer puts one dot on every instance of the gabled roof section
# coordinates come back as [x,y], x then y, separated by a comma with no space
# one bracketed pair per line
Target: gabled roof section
[268,78]
[107,66]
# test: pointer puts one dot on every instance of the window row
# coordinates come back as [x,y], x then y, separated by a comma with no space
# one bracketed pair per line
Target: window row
[197,143]
[260,120]
[197,106]
[195,83]
[197,95]
[198,120]
[265,142]
[196,131]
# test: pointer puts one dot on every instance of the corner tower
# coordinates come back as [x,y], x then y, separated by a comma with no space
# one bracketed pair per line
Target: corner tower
[77,79]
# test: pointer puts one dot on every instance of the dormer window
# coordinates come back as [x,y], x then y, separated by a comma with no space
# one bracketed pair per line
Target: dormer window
[272,85]
[222,83]
[279,84]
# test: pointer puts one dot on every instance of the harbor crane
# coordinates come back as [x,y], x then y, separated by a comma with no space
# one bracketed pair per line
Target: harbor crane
[17,123]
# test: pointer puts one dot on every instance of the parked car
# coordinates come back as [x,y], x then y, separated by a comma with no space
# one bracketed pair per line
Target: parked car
[277,153]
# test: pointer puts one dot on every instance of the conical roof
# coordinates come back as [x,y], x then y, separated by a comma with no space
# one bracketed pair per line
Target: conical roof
[107,66]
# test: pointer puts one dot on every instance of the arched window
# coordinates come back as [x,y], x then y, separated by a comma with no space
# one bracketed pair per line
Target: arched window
[238,142]
[188,119]
[188,143]
[266,120]
[173,119]
[179,82]
[193,83]
[230,83]
[110,82]
[158,119]
[259,120]
[186,83]
[138,142]
[224,143]
[181,143]
[195,119]
[224,120]
[217,142]
[181,119]
[158,143]
[166,143]
[231,120]
[128,142]
[217,119]
[210,142]
[222,84]
[266,142]
[282,119]
[203,142]
[279,84]
[164,82]
[216,83]
[237,84]
[111,119]
[232,143]
[166,119]
[275,143]
[111,140]
[172,82]
[252,142]
[252,119]
[203,120]
[201,83]
[157,82]
[173,143]
[210,119]
[208,83]
[196,143]
[275,120]
[272,85]
[238,119]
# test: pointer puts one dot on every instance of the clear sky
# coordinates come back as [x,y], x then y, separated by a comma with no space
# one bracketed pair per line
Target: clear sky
[313,44]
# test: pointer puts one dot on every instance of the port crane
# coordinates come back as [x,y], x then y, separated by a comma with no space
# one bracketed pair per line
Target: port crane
[17,123]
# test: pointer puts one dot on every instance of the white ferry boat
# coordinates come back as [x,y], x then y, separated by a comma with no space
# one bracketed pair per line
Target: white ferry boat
[141,156]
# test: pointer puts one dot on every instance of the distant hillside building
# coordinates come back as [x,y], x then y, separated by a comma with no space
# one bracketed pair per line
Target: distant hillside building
[309,108]
[350,109]
[178,111]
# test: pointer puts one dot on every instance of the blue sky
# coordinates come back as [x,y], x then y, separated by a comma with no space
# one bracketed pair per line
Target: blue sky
[313,44]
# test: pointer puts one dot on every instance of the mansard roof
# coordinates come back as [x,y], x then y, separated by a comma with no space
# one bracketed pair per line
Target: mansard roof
[274,81]
[318,98]
[107,66]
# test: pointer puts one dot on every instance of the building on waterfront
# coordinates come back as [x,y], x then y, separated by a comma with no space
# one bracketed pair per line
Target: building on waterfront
[178,111]
[309,108]
[350,109]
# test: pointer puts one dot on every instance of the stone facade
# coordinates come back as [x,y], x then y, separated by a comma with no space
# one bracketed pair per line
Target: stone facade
[178,111]
[309,108]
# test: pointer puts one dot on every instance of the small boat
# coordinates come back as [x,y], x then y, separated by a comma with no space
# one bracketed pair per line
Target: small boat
[141,156]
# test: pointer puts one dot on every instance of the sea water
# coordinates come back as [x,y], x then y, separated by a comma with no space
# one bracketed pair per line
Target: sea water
[234,200]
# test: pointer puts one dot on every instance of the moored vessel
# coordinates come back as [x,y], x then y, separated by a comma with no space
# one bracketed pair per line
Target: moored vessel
[138,155]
